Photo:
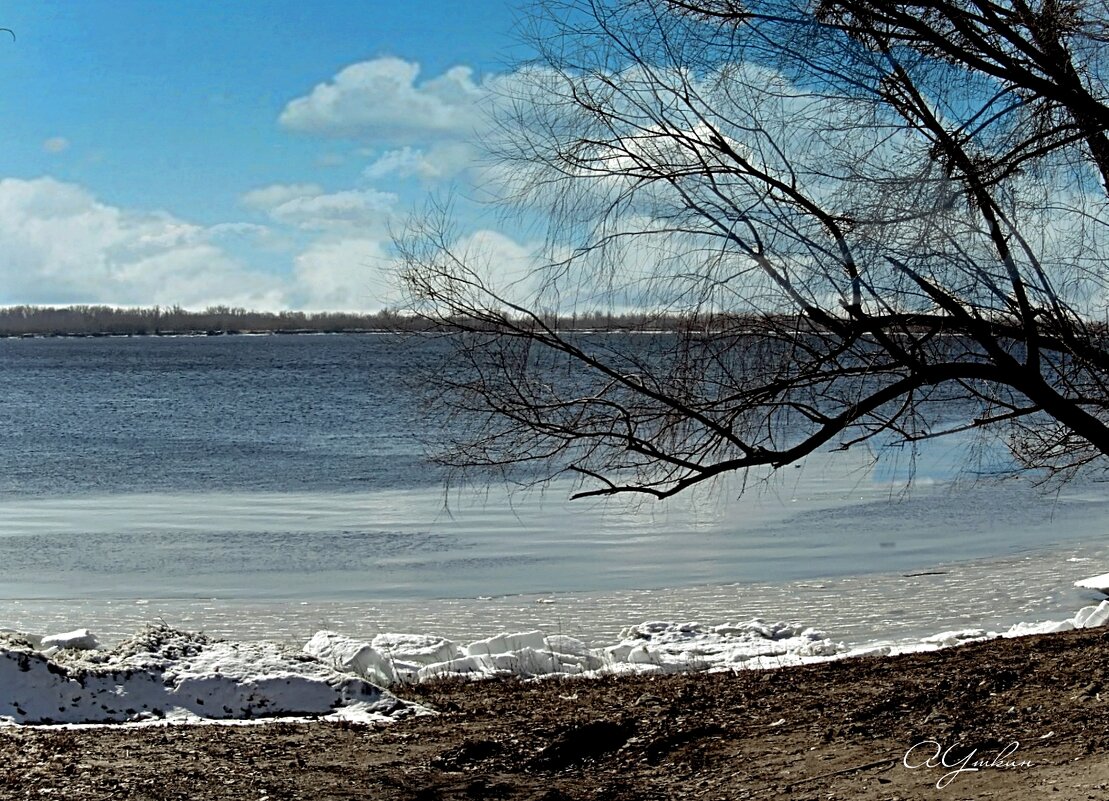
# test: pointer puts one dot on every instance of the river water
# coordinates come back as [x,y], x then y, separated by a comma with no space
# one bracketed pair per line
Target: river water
[270,486]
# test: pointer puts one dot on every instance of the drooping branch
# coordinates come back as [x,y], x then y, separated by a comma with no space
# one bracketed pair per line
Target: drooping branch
[867,238]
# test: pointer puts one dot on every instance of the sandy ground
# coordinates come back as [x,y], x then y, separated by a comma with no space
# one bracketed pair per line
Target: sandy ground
[1031,712]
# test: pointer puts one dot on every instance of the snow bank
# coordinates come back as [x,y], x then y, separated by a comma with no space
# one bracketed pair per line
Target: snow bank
[652,647]
[664,647]
[164,674]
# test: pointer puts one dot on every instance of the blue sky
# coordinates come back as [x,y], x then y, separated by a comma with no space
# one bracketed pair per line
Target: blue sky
[252,153]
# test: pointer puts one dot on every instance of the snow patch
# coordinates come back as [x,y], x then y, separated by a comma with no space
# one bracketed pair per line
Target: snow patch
[164,674]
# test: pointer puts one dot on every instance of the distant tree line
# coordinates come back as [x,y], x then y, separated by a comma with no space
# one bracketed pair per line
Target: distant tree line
[19,321]
[159,320]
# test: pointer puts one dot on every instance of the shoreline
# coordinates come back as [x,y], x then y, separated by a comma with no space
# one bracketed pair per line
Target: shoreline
[835,604]
[839,730]
[200,332]
[162,674]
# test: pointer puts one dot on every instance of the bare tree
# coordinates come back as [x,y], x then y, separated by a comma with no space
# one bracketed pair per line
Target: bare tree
[875,222]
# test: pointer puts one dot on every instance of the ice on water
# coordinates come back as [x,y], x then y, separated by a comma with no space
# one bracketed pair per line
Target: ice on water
[1099,583]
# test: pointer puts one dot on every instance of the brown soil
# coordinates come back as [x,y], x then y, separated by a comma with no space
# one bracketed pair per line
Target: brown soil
[834,731]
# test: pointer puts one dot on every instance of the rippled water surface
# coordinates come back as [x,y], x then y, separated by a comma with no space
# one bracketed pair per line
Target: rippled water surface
[265,486]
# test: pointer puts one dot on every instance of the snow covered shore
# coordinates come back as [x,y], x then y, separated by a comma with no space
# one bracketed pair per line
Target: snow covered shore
[165,675]
[162,674]
[652,647]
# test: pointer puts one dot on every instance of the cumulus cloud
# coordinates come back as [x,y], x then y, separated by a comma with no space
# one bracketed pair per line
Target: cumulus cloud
[55,144]
[404,161]
[62,245]
[355,209]
[359,273]
[352,274]
[239,229]
[441,160]
[509,265]
[309,208]
[384,99]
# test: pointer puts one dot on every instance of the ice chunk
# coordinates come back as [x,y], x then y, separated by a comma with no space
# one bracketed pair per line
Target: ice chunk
[1099,583]
[956,637]
[567,645]
[20,639]
[419,649]
[507,643]
[1046,627]
[78,640]
[352,656]
[817,647]
[869,650]
[642,655]
[658,646]
[529,662]
[464,666]
[1089,617]
[619,653]
[757,627]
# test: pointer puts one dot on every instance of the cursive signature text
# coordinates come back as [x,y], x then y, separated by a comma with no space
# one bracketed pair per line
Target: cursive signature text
[958,759]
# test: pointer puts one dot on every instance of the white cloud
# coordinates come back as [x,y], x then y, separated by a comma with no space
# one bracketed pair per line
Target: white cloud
[309,208]
[61,245]
[358,273]
[352,274]
[509,265]
[268,197]
[404,162]
[365,209]
[55,144]
[239,229]
[249,235]
[381,99]
[441,160]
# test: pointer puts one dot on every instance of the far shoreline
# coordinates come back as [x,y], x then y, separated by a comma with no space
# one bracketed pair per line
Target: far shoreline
[82,321]
[195,333]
